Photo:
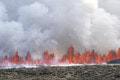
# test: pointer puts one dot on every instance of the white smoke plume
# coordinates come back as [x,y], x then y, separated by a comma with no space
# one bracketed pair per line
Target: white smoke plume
[37,25]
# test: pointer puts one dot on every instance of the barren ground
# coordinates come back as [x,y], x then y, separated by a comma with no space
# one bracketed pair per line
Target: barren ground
[87,72]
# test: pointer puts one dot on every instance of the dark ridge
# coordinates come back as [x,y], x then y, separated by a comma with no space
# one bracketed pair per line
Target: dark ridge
[117,61]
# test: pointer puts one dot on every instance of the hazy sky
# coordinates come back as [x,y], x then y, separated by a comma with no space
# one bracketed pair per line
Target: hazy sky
[37,25]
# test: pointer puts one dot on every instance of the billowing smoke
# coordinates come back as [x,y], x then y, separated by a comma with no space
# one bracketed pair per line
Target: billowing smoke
[37,25]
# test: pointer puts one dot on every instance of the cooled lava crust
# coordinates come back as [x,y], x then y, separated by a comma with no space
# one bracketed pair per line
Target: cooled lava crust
[81,72]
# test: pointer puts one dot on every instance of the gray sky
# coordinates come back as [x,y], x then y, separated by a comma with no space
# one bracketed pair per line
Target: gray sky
[37,25]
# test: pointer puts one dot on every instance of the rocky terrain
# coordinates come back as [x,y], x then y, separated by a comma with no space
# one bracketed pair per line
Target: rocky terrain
[86,72]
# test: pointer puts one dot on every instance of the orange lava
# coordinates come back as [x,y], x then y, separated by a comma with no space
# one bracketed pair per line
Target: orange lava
[72,57]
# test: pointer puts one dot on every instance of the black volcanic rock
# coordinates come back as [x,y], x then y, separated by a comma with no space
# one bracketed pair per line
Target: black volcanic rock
[81,72]
[117,61]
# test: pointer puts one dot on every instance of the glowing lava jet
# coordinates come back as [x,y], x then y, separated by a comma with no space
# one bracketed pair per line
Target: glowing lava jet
[72,57]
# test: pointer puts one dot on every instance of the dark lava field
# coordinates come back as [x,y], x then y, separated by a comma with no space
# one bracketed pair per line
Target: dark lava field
[86,72]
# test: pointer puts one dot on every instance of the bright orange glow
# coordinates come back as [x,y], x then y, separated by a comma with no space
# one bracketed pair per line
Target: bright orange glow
[93,57]
[105,58]
[118,54]
[89,57]
[51,58]
[111,56]
[21,60]
[98,59]
[81,59]
[16,58]
[28,59]
[70,54]
[76,57]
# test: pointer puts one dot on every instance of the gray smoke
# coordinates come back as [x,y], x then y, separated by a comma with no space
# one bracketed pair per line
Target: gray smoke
[37,25]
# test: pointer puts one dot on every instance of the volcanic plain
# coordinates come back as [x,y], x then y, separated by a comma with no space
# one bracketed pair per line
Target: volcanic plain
[80,72]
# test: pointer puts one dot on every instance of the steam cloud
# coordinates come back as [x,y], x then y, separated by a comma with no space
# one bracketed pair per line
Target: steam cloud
[37,25]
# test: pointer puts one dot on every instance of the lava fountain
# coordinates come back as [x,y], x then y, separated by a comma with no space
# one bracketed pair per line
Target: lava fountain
[72,57]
